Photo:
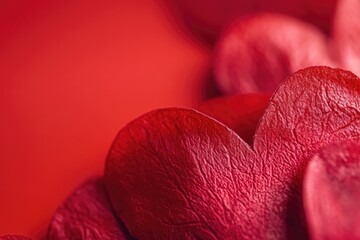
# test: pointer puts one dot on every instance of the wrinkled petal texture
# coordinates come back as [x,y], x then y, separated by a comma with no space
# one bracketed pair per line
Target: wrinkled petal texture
[258,52]
[332,192]
[13,237]
[346,34]
[241,113]
[178,174]
[86,214]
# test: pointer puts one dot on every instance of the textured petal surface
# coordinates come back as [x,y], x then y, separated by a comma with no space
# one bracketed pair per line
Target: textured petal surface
[315,106]
[346,34]
[258,52]
[86,214]
[13,237]
[178,174]
[241,113]
[332,192]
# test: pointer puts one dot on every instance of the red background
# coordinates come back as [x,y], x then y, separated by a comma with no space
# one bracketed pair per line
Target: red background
[72,73]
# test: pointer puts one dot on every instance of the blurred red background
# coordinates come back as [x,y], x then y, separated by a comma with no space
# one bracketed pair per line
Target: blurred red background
[72,73]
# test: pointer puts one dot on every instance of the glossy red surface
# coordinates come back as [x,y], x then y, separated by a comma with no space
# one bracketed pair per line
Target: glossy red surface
[72,74]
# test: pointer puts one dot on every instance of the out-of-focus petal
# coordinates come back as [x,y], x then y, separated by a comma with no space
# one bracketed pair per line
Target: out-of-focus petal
[258,52]
[207,17]
[86,215]
[332,192]
[346,34]
[13,237]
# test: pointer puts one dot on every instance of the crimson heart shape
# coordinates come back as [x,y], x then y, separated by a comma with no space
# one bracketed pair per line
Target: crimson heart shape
[178,174]
[86,214]
[332,192]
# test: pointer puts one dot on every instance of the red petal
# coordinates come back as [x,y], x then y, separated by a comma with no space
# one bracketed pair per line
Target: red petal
[13,237]
[86,214]
[240,113]
[346,34]
[258,52]
[313,107]
[332,192]
[166,169]
[177,173]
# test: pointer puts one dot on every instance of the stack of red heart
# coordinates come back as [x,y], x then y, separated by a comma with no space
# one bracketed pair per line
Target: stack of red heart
[183,174]
[251,166]
[178,173]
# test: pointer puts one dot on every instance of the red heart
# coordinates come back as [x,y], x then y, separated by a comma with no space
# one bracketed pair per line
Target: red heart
[332,192]
[86,214]
[176,173]
[258,52]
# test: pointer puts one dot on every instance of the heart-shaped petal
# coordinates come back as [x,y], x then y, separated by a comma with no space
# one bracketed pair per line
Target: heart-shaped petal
[258,52]
[241,113]
[332,192]
[168,168]
[86,214]
[176,173]
[346,34]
